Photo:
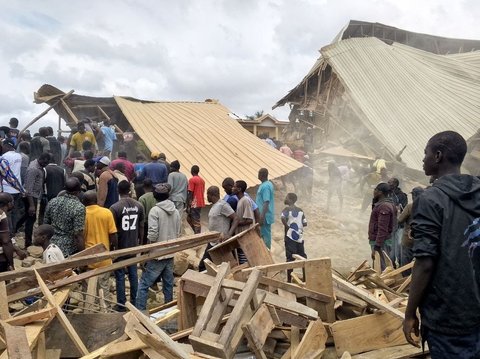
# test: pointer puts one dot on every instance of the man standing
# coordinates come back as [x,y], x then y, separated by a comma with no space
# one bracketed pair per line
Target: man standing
[400,200]
[286,150]
[195,199]
[221,218]
[14,160]
[55,177]
[55,148]
[67,216]
[128,166]
[107,184]
[179,183]
[99,228]
[246,218]
[109,137]
[80,137]
[129,219]
[34,187]
[265,202]
[13,133]
[148,201]
[446,274]
[163,224]
[155,170]
[383,221]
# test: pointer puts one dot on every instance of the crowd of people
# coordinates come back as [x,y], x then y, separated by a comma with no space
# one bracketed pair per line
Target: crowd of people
[68,200]
[68,195]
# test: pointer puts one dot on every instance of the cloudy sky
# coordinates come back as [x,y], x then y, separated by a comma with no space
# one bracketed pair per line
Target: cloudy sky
[248,53]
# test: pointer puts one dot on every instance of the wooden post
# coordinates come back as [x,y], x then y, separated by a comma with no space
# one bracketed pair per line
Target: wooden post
[46,111]
[69,111]
[318,275]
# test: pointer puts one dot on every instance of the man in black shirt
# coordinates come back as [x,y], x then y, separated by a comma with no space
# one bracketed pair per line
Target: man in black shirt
[446,275]
[129,218]
[55,177]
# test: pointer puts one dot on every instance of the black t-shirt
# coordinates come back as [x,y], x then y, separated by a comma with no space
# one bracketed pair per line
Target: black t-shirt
[54,180]
[129,215]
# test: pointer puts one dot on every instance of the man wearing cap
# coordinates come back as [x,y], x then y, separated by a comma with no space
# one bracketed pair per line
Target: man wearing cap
[107,184]
[14,160]
[163,225]
[155,170]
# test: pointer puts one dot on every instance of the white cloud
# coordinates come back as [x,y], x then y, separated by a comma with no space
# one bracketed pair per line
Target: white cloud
[247,54]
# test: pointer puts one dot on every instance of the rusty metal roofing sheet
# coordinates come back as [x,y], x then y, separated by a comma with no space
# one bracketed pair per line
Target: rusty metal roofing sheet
[406,95]
[203,133]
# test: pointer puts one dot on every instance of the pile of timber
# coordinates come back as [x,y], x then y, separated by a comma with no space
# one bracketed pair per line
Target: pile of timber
[226,310]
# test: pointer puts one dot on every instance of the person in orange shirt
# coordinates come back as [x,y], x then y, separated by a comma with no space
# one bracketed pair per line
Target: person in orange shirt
[99,228]
[195,199]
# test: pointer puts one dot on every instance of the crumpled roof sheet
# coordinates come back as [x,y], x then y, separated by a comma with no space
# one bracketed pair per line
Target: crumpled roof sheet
[203,134]
[406,95]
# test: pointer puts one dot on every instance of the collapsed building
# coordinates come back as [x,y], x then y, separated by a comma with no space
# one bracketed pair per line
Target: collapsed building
[206,133]
[381,91]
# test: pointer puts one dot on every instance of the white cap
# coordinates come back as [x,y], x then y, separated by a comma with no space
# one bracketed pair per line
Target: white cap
[105,160]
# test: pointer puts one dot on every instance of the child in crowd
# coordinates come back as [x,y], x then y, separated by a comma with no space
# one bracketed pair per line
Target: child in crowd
[41,237]
[294,221]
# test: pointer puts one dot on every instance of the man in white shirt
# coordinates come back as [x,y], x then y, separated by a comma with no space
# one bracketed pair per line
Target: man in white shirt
[15,162]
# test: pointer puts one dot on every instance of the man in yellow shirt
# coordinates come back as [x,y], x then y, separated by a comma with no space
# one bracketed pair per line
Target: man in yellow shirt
[99,228]
[80,137]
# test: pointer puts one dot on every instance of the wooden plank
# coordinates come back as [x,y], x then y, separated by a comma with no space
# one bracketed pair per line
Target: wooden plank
[16,340]
[211,300]
[318,273]
[24,319]
[69,111]
[199,284]
[92,284]
[41,351]
[4,311]
[366,296]
[313,342]
[127,346]
[219,311]
[277,267]
[230,335]
[254,248]
[349,298]
[131,329]
[260,326]
[169,345]
[397,271]
[368,332]
[53,353]
[405,351]
[187,304]
[301,292]
[164,248]
[350,277]
[61,316]
[294,339]
[97,271]
[377,263]
[405,284]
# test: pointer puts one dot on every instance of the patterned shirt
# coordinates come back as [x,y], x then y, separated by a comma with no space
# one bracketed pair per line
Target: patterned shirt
[34,179]
[295,219]
[67,216]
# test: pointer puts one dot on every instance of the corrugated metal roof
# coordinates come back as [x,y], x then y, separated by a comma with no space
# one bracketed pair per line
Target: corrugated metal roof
[202,133]
[406,95]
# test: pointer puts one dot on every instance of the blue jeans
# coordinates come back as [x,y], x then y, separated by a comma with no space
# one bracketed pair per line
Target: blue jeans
[154,269]
[120,284]
[444,346]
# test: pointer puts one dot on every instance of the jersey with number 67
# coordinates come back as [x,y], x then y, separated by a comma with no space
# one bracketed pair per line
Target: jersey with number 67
[129,216]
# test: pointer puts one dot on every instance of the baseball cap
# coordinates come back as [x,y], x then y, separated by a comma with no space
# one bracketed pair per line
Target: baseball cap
[105,160]
[155,155]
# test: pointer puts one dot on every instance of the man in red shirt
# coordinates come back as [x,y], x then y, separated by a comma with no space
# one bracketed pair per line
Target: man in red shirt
[195,199]
[129,167]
